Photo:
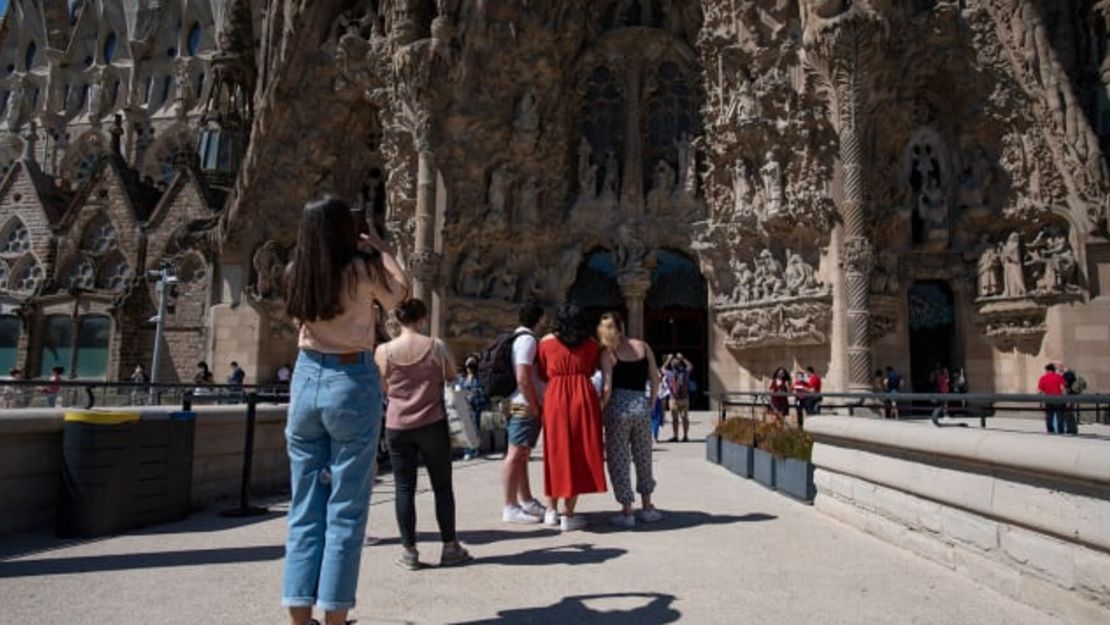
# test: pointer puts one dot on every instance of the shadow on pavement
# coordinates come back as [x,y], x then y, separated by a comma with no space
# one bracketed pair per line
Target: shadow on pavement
[677,520]
[129,561]
[565,554]
[479,537]
[574,610]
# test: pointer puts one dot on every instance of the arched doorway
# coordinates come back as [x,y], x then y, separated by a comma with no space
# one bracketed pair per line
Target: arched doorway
[676,319]
[596,288]
[932,324]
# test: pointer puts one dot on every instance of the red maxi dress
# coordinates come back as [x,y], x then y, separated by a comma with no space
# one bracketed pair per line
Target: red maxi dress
[573,452]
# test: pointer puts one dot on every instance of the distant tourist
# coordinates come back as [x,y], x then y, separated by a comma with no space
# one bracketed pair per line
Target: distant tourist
[628,367]
[55,387]
[202,379]
[573,455]
[813,385]
[1076,385]
[679,371]
[659,408]
[525,419]
[471,389]
[414,369]
[892,384]
[13,394]
[1052,385]
[780,386]
[940,382]
[139,379]
[235,381]
[335,405]
[800,386]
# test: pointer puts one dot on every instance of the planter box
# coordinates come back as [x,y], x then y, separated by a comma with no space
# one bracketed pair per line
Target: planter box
[736,458]
[763,468]
[713,448]
[795,478]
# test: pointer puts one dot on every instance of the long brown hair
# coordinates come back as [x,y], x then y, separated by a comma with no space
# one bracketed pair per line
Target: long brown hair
[325,262]
[610,330]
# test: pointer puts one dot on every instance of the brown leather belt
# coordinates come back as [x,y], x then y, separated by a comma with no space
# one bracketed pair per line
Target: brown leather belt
[351,358]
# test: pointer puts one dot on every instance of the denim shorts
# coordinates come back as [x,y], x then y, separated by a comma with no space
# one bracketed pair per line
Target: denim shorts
[522,431]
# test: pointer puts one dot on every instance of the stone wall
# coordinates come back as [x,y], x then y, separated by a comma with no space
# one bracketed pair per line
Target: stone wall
[31,457]
[1026,515]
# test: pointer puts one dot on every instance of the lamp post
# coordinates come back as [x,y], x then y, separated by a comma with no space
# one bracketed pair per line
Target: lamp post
[165,279]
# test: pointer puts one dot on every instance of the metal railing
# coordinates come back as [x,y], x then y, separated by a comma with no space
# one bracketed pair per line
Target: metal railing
[1085,408]
[87,394]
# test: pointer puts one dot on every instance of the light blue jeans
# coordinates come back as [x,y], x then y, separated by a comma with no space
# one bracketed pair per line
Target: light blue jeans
[335,416]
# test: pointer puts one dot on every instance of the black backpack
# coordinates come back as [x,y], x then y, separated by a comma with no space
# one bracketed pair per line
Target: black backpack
[496,373]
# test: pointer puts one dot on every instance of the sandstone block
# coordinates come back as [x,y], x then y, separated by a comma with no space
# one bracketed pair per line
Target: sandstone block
[1049,558]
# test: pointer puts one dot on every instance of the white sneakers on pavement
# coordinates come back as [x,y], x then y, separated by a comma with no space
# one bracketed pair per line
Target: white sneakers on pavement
[534,508]
[572,523]
[514,514]
[551,518]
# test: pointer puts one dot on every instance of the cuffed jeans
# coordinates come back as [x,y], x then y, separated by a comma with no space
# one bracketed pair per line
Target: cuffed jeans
[335,417]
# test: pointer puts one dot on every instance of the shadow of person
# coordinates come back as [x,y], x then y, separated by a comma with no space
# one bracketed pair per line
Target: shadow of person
[680,520]
[564,554]
[657,609]
[480,537]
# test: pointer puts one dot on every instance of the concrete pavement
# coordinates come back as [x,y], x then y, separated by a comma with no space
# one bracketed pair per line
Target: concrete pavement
[728,551]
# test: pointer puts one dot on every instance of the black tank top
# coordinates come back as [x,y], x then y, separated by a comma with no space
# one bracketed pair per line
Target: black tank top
[630,375]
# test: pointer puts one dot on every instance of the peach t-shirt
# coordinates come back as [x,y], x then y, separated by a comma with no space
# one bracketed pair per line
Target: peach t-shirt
[352,330]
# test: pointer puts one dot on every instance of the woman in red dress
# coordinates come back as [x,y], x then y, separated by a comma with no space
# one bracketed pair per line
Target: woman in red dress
[573,457]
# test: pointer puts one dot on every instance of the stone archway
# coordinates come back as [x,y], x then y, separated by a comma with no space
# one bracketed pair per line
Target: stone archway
[676,316]
[596,288]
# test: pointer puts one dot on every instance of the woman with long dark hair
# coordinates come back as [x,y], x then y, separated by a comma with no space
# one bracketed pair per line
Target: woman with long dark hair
[780,383]
[573,456]
[334,406]
[414,368]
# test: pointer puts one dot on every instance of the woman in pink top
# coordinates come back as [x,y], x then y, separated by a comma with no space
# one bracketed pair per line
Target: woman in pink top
[414,368]
[334,406]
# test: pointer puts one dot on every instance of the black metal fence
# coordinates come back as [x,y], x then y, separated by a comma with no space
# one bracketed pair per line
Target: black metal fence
[1086,408]
[98,394]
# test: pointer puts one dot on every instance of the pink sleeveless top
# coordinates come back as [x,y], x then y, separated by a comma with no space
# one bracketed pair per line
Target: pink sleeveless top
[415,390]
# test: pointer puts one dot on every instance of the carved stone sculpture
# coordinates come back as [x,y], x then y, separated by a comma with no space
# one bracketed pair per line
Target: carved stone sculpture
[612,175]
[269,268]
[799,276]
[743,193]
[587,171]
[528,207]
[502,284]
[774,195]
[990,272]
[1013,269]
[470,281]
[662,184]
[1051,256]
[631,251]
[976,181]
[498,195]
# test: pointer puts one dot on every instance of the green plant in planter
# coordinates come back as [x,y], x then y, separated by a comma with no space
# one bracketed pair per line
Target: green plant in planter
[769,436]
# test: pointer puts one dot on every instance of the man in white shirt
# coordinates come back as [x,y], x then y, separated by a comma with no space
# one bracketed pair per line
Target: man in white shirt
[522,425]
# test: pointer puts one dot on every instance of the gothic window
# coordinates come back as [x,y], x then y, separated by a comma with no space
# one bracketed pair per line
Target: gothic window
[28,275]
[16,239]
[29,57]
[109,51]
[80,275]
[671,112]
[10,329]
[101,236]
[93,332]
[115,275]
[603,112]
[85,167]
[193,39]
[57,340]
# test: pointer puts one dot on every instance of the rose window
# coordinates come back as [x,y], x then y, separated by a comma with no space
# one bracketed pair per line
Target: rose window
[17,240]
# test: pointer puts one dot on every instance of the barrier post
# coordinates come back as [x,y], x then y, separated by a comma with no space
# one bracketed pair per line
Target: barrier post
[245,509]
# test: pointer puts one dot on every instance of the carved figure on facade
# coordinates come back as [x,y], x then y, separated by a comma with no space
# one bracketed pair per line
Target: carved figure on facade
[502,284]
[990,272]
[269,267]
[498,194]
[687,166]
[612,176]
[743,194]
[781,324]
[662,184]
[16,98]
[976,182]
[773,192]
[885,276]
[587,171]
[630,254]
[471,275]
[528,203]
[766,280]
[97,104]
[928,187]
[1052,262]
[526,121]
[799,276]
[1013,267]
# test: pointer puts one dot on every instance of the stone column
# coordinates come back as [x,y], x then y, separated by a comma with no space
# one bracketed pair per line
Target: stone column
[424,263]
[837,48]
[635,286]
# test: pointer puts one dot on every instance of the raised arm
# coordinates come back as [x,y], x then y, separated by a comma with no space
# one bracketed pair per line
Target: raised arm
[397,287]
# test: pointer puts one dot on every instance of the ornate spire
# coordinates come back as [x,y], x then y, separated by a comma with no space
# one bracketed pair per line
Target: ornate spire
[230,106]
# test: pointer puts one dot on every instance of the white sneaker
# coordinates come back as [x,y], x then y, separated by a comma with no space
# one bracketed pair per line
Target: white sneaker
[626,521]
[572,523]
[534,508]
[651,515]
[551,518]
[514,514]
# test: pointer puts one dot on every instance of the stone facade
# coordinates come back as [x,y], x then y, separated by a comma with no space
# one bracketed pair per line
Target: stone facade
[827,183]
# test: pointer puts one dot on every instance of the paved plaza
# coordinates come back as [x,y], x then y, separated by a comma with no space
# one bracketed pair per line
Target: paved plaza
[729,551]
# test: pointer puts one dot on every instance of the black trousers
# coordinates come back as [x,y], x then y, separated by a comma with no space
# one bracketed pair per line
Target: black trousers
[432,443]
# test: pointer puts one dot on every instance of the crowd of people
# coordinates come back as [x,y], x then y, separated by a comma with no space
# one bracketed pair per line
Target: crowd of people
[805,389]
[344,375]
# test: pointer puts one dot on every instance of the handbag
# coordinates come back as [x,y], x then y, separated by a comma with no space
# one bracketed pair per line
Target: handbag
[460,425]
